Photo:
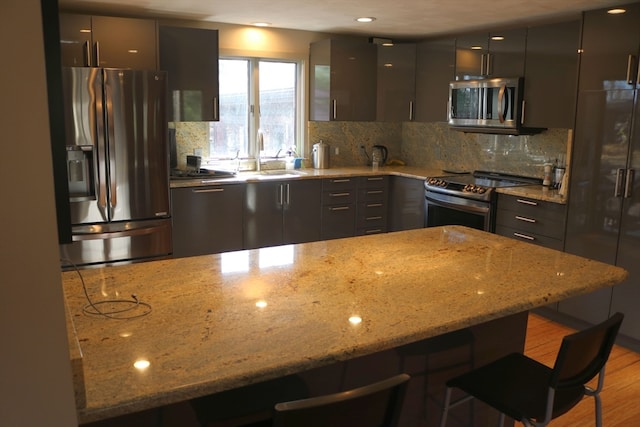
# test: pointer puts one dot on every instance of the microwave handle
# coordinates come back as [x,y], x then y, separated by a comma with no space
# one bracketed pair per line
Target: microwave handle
[502,96]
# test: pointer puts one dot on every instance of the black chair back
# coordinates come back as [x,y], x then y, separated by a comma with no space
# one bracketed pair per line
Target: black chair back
[583,355]
[374,405]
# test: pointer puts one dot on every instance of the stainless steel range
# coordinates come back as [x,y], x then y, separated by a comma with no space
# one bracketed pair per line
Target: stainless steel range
[468,198]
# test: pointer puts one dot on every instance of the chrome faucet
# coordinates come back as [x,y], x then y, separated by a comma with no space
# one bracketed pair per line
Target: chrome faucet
[259,147]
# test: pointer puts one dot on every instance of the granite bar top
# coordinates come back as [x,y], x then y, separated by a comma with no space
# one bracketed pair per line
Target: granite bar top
[537,192]
[223,321]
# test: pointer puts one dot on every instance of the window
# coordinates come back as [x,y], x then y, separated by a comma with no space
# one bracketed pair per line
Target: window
[257,95]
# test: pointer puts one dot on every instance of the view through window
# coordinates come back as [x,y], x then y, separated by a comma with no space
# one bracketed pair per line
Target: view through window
[256,95]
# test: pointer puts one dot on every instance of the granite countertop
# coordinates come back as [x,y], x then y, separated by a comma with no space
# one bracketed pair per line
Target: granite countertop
[533,191]
[228,320]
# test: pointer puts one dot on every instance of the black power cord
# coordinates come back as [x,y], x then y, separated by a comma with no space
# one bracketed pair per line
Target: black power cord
[119,309]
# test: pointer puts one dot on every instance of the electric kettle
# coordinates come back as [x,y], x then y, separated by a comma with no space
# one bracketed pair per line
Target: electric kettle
[379,155]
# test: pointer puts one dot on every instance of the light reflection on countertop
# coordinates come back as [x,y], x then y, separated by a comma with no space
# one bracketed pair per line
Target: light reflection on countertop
[223,321]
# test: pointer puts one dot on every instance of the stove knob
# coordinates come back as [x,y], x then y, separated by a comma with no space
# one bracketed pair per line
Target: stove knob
[482,190]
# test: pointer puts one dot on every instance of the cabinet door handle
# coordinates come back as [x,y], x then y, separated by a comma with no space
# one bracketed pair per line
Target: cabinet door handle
[216,109]
[287,199]
[631,60]
[373,231]
[334,105]
[280,194]
[527,202]
[87,54]
[410,110]
[97,64]
[524,236]
[340,194]
[525,219]
[488,70]
[482,64]
[628,184]
[522,110]
[617,192]
[209,190]
[340,208]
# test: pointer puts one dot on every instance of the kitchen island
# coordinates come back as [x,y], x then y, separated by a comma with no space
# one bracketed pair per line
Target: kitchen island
[219,322]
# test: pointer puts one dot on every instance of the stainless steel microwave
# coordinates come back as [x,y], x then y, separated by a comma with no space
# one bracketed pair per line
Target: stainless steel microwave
[491,105]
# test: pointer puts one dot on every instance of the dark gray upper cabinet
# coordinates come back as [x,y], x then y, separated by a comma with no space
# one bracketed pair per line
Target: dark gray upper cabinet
[190,57]
[342,81]
[435,68]
[106,41]
[551,75]
[491,54]
[396,82]
[610,45]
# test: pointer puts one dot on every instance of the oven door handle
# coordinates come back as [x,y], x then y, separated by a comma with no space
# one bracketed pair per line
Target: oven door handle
[459,207]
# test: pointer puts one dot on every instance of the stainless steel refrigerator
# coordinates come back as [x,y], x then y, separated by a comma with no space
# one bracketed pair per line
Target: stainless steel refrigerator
[117,165]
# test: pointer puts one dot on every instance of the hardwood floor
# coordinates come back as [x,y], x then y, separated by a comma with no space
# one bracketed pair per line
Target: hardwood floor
[621,393]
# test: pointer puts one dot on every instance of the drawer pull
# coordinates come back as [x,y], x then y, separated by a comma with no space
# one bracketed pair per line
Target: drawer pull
[340,208]
[375,178]
[373,218]
[209,190]
[524,236]
[340,180]
[340,194]
[374,205]
[527,202]
[525,219]
[373,231]
[374,192]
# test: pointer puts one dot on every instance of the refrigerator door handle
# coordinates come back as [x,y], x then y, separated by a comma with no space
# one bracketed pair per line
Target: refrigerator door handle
[109,98]
[113,234]
[96,79]
[628,183]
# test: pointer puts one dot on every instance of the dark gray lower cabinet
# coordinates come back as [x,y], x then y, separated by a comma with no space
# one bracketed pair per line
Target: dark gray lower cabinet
[339,197]
[534,221]
[207,220]
[406,203]
[282,212]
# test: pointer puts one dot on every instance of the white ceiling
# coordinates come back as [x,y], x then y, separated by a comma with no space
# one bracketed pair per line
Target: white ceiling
[394,18]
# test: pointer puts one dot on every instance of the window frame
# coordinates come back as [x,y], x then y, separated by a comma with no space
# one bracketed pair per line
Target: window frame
[254,98]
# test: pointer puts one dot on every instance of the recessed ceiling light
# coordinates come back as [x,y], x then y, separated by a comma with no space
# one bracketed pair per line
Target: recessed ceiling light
[366,19]
[261,24]
[616,11]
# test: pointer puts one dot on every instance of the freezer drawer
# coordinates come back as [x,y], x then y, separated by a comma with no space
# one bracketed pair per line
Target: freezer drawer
[124,241]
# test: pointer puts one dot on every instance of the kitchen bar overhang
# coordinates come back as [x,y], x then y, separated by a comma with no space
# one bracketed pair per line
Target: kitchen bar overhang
[219,322]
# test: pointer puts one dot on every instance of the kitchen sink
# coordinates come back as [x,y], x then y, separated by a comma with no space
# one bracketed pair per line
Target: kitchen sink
[283,172]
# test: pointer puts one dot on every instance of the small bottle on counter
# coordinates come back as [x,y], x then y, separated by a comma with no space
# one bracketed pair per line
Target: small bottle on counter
[546,181]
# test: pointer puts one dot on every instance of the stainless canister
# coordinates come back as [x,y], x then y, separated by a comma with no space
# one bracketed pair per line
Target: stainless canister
[320,155]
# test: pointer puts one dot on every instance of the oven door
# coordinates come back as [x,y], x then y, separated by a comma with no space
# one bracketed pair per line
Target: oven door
[446,209]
